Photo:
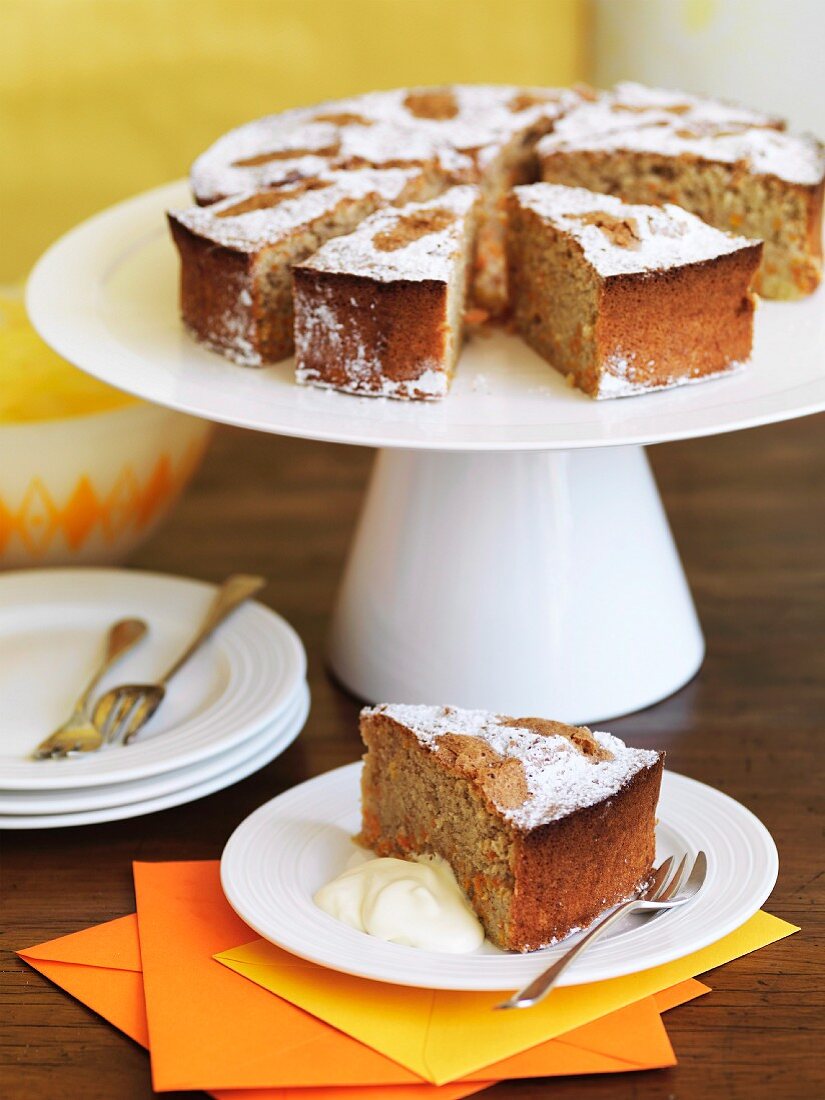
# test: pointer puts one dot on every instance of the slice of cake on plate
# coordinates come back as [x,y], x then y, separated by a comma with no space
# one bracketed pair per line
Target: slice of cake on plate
[379,311]
[545,825]
[236,255]
[756,180]
[625,298]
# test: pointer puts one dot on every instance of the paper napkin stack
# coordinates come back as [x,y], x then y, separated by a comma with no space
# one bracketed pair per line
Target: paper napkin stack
[237,1017]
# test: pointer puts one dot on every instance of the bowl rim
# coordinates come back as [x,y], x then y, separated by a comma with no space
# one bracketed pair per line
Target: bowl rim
[135,406]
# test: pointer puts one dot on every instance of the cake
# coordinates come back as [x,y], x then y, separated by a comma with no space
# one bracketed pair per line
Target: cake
[237,254]
[627,298]
[545,825]
[482,134]
[736,171]
[379,311]
[270,193]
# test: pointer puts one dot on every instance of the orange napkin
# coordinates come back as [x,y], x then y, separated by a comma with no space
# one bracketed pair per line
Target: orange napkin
[255,1039]
[446,1036]
[101,967]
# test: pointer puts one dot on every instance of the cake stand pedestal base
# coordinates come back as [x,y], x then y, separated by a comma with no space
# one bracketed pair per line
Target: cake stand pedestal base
[530,583]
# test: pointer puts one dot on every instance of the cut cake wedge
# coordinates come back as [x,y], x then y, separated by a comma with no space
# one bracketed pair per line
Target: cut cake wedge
[545,825]
[379,311]
[626,298]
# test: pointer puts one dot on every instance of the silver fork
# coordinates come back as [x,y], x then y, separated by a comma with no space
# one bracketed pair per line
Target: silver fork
[122,712]
[666,891]
[77,734]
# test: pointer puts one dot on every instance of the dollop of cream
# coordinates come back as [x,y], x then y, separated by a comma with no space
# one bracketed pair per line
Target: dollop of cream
[417,904]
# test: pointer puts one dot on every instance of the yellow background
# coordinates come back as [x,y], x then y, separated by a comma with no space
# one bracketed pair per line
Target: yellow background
[104,98]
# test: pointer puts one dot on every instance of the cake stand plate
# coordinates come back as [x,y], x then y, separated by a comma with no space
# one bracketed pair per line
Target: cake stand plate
[542,580]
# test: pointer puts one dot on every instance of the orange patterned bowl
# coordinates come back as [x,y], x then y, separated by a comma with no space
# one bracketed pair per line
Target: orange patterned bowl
[86,490]
[86,472]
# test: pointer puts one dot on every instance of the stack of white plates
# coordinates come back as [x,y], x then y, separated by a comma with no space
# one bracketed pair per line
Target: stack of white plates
[239,702]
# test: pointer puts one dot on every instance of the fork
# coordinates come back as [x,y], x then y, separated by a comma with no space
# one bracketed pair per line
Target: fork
[666,891]
[122,712]
[78,734]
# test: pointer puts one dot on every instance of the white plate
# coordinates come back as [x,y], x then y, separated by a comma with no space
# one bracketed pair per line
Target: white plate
[106,297]
[268,751]
[52,625]
[276,860]
[29,803]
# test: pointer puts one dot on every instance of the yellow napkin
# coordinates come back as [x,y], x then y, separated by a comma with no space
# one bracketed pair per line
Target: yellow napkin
[443,1035]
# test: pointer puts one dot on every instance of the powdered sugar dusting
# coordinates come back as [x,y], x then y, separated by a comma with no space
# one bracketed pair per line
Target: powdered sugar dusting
[253,229]
[795,158]
[619,377]
[430,256]
[668,236]
[378,128]
[430,385]
[332,321]
[559,777]
[628,105]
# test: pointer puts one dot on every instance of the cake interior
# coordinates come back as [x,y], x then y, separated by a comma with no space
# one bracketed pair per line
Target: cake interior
[514,163]
[760,207]
[610,323]
[272,270]
[555,295]
[455,825]
[457,293]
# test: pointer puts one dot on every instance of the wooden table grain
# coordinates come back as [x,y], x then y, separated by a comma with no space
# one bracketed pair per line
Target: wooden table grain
[747,512]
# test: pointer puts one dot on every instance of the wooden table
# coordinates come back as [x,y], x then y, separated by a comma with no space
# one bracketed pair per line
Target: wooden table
[747,512]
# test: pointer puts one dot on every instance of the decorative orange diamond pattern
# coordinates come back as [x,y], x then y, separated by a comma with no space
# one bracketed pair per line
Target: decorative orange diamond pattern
[39,518]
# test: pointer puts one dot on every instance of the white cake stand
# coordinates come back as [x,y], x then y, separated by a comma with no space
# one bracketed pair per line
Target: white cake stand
[512,553]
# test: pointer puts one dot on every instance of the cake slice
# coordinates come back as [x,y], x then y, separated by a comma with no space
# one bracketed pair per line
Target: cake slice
[625,298]
[379,312]
[545,825]
[236,255]
[756,180]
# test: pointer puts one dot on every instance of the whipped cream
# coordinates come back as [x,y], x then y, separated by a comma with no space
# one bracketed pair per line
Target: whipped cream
[417,904]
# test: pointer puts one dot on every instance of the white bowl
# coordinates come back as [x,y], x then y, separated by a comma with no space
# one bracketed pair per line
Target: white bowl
[86,490]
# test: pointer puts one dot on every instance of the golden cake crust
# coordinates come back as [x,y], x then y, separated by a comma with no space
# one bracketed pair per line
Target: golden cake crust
[401,325]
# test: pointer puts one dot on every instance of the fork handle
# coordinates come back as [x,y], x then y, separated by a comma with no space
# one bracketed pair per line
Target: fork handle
[541,986]
[121,637]
[234,591]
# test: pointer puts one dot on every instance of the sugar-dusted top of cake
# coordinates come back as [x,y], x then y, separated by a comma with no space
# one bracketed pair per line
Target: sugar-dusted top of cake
[620,238]
[415,242]
[762,150]
[248,222]
[380,128]
[628,105]
[565,768]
